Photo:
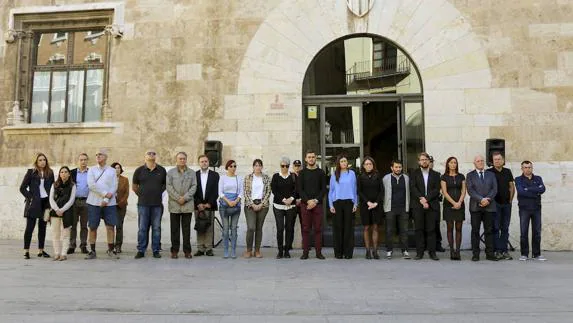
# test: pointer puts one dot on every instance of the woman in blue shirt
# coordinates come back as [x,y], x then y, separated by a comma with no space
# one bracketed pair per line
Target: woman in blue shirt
[343,202]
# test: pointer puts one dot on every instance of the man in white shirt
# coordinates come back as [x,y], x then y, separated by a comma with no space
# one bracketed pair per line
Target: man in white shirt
[102,183]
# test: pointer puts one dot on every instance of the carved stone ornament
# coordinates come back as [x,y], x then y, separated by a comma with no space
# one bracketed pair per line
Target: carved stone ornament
[360,8]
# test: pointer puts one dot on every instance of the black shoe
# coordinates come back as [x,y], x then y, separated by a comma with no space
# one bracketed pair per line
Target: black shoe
[419,256]
[26,255]
[156,255]
[139,255]
[338,256]
[199,253]
[304,255]
[368,254]
[209,253]
[71,251]
[286,254]
[43,254]
[319,256]
[91,255]
[433,256]
[457,255]
[118,248]
[84,250]
[475,258]
[345,257]
[375,254]
[491,258]
[279,254]
[452,255]
[440,249]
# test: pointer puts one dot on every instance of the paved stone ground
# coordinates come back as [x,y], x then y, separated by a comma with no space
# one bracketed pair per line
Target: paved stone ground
[212,289]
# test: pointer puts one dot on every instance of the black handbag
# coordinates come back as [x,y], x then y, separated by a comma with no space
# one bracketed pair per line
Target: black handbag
[202,222]
[27,206]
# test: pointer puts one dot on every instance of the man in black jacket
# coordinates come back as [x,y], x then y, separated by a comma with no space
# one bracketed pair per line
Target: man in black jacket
[206,201]
[311,186]
[425,192]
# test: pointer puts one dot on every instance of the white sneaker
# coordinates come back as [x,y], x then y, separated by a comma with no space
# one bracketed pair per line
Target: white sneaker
[405,255]
[523,258]
[540,258]
[388,254]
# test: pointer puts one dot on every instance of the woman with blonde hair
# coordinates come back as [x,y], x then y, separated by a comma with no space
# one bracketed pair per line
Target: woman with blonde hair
[35,187]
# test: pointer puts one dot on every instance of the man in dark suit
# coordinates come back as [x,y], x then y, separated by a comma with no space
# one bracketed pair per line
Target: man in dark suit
[80,208]
[482,188]
[206,202]
[425,203]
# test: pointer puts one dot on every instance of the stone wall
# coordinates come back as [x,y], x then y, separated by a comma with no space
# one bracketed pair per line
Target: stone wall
[233,71]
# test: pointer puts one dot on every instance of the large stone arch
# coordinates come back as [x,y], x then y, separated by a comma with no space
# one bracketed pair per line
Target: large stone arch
[450,57]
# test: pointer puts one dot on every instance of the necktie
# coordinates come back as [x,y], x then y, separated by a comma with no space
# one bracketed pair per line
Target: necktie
[481,176]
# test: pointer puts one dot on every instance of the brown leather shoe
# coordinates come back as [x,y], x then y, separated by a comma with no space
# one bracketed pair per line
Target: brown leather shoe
[247,254]
[258,254]
[174,255]
[188,255]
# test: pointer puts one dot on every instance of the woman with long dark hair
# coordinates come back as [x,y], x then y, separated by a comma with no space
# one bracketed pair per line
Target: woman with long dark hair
[343,202]
[35,187]
[454,190]
[371,194]
[62,198]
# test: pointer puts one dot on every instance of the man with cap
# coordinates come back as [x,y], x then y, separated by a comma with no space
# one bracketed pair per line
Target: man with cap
[102,184]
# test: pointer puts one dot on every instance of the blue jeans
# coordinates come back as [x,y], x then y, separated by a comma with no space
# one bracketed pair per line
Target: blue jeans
[230,218]
[501,227]
[149,216]
[533,216]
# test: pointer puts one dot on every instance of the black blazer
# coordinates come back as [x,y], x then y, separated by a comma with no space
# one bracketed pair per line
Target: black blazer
[30,188]
[417,189]
[478,189]
[211,190]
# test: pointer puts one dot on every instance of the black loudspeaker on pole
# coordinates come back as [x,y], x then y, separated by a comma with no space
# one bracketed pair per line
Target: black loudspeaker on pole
[214,151]
[493,145]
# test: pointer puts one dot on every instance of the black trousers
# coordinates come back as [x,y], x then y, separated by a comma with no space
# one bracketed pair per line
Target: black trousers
[402,218]
[487,218]
[31,225]
[425,222]
[343,228]
[285,227]
[180,221]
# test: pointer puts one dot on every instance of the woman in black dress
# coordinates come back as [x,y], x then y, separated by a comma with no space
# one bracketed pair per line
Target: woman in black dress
[35,187]
[454,190]
[371,194]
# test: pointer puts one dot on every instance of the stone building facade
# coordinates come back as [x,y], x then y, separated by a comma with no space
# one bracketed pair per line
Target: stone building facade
[178,73]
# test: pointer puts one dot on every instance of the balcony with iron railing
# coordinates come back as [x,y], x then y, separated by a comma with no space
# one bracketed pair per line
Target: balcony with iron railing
[396,68]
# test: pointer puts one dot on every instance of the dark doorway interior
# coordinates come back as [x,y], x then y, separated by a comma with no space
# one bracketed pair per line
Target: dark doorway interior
[381,133]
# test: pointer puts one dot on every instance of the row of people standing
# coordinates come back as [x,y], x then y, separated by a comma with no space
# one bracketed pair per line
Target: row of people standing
[387,197]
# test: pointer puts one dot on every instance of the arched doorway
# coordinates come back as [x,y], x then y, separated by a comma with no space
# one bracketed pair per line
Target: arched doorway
[362,96]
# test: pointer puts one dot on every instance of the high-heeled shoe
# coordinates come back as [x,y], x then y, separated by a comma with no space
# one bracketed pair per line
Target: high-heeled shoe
[452,254]
[368,254]
[26,255]
[43,254]
[458,257]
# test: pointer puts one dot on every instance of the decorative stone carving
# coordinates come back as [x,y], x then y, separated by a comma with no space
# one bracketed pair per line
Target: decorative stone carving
[360,8]
[15,117]
[114,30]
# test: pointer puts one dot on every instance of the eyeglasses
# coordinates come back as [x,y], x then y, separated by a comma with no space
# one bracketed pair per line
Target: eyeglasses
[284,166]
[151,153]
[233,166]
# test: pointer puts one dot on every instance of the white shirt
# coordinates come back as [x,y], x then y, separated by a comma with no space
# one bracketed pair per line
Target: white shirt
[258,188]
[426,174]
[107,183]
[204,176]
[43,193]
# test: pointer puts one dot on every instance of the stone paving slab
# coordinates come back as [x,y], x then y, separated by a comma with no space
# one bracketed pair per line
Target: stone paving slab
[212,289]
